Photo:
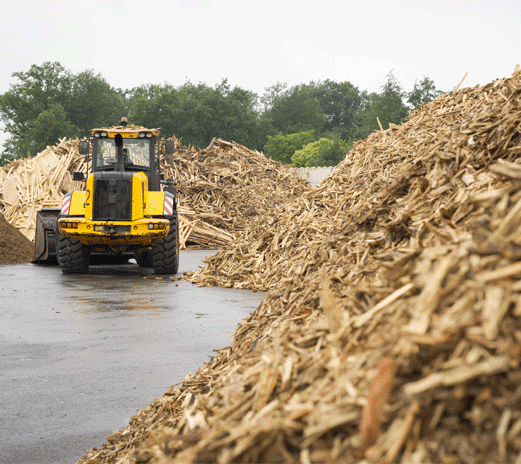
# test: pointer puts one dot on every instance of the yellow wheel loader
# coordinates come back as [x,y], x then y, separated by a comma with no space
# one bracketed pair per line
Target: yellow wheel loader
[123,211]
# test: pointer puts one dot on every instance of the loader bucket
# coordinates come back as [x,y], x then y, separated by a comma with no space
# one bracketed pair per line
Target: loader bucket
[46,235]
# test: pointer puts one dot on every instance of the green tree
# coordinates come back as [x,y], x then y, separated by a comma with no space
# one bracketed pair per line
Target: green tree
[282,147]
[48,127]
[386,107]
[423,92]
[155,106]
[323,152]
[92,102]
[233,116]
[294,110]
[272,93]
[49,94]
[38,89]
[197,113]
[341,103]
[336,153]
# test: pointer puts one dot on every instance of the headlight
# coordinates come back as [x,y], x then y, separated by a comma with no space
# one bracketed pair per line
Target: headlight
[142,135]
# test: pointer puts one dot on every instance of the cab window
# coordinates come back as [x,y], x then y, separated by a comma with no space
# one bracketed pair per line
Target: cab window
[136,152]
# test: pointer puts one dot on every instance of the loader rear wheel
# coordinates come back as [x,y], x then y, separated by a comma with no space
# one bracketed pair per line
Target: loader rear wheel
[165,254]
[73,256]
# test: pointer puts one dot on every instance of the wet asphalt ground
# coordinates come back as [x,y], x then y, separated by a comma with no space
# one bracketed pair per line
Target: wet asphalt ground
[79,354]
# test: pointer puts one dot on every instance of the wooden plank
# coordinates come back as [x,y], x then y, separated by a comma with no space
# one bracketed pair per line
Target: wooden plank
[9,190]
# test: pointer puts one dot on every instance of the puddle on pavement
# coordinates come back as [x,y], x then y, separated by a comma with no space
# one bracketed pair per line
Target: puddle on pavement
[102,305]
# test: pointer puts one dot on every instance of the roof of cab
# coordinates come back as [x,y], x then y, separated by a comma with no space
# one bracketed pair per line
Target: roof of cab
[126,129]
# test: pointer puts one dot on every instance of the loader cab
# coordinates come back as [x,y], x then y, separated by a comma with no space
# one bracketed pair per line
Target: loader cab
[126,150]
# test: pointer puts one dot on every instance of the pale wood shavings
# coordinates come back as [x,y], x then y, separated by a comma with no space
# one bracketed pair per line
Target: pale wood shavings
[414,223]
[229,186]
[34,183]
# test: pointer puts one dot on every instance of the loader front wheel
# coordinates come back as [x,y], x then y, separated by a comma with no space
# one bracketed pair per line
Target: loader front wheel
[144,258]
[165,254]
[73,256]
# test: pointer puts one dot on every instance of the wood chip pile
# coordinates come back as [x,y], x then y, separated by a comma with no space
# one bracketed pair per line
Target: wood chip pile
[228,185]
[393,333]
[220,188]
[31,184]
[364,201]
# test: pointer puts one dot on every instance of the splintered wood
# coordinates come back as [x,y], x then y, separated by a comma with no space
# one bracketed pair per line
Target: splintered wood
[228,185]
[220,188]
[393,288]
[29,185]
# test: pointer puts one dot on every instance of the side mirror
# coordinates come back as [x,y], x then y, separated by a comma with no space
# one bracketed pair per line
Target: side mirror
[78,176]
[170,147]
[83,147]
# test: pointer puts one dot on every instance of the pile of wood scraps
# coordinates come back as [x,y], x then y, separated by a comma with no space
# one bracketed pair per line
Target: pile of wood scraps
[228,185]
[438,156]
[391,329]
[31,184]
[15,248]
[198,232]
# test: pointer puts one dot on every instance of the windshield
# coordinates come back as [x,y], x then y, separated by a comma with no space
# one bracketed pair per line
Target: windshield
[136,152]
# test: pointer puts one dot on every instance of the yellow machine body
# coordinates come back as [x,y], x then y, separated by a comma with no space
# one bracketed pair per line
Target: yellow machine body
[127,210]
[144,227]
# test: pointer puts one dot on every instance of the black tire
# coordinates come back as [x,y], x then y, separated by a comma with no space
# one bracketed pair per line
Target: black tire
[165,253]
[144,258]
[96,260]
[73,256]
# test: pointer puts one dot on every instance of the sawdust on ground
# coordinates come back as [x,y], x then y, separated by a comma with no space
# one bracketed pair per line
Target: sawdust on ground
[15,248]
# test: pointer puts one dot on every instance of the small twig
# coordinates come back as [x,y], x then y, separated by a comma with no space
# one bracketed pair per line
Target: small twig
[393,451]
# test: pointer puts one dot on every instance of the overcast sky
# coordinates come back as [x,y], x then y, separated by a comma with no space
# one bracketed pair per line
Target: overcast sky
[255,44]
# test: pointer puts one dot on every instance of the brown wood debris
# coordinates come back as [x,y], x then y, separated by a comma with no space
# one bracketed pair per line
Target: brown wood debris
[228,185]
[379,391]
[415,238]
[15,248]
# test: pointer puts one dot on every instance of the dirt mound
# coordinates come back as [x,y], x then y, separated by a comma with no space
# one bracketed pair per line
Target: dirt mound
[14,246]
[391,328]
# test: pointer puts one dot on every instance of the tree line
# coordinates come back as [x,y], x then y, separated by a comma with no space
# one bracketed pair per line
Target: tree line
[311,124]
